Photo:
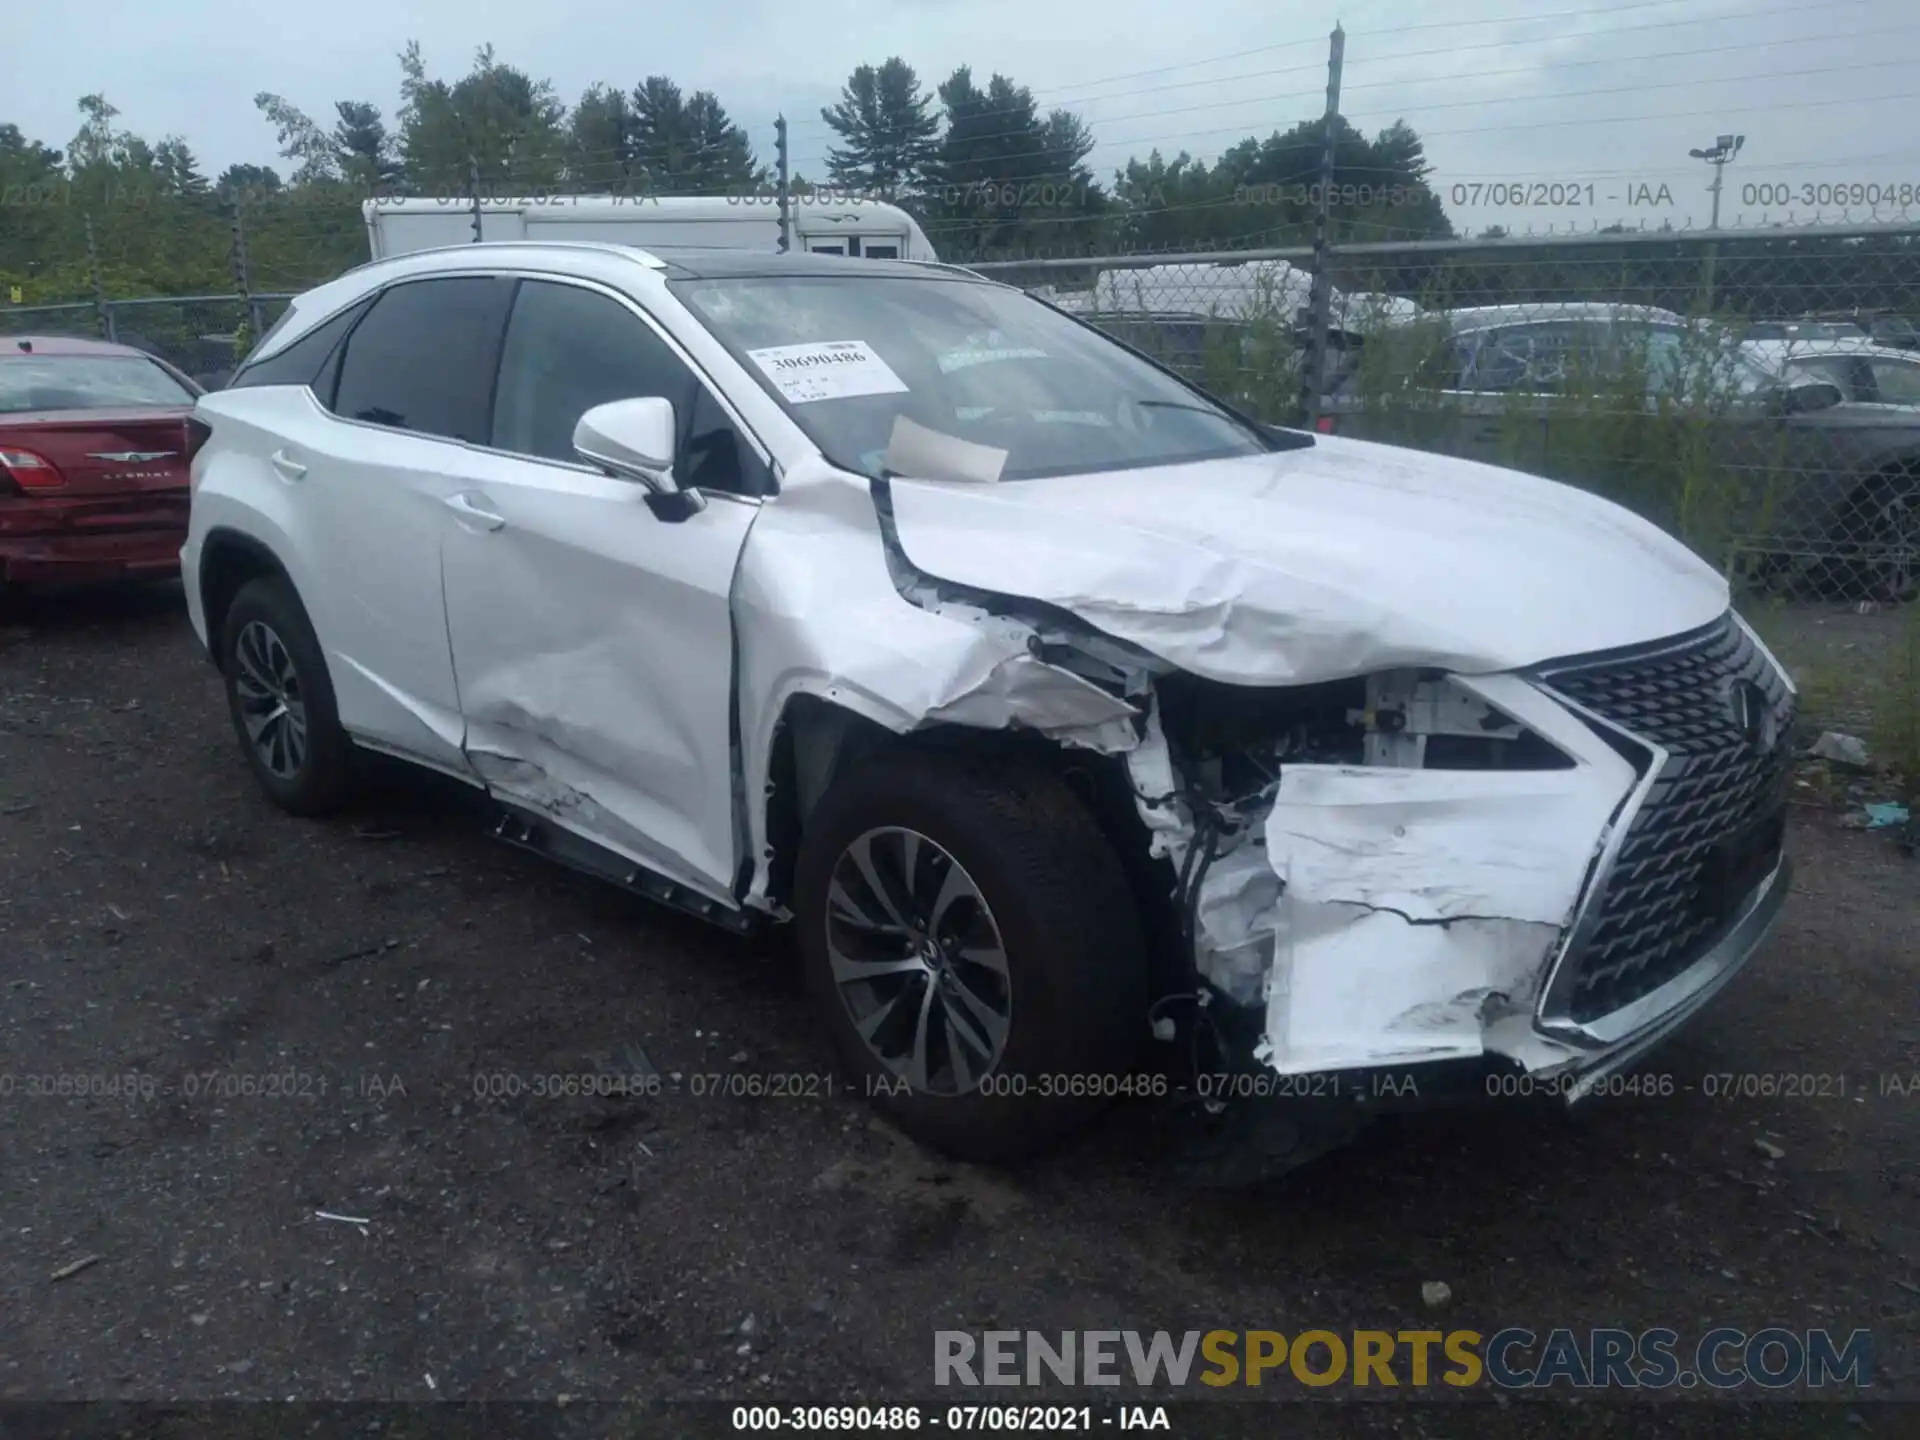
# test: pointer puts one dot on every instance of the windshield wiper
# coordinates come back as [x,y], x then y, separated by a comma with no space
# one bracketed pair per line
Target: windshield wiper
[1278,436]
[1179,405]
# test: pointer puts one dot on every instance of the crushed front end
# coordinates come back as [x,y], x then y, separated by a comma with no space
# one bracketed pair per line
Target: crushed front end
[1424,873]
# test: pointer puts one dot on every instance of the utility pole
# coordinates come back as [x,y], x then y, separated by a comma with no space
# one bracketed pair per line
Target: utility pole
[473,177]
[1723,149]
[780,152]
[242,272]
[1313,378]
[103,312]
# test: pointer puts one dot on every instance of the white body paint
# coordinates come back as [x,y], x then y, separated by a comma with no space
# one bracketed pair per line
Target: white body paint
[628,677]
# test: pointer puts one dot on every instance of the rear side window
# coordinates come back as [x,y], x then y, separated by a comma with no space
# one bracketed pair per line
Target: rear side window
[423,358]
[310,360]
[85,382]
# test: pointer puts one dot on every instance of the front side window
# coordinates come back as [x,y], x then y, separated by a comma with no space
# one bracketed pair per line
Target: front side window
[848,356]
[423,358]
[569,349]
[85,382]
[1896,382]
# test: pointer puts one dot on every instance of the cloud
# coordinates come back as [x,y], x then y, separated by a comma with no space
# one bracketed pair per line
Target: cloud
[1581,94]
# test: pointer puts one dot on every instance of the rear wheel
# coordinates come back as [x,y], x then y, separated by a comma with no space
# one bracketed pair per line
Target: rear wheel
[281,700]
[969,937]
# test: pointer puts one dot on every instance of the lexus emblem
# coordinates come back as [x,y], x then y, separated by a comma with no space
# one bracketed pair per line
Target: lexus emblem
[1752,714]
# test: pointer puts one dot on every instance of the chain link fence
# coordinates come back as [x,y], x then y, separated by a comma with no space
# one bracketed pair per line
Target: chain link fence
[203,335]
[1756,394]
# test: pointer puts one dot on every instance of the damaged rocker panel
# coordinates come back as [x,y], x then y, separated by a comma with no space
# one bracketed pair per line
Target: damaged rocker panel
[528,830]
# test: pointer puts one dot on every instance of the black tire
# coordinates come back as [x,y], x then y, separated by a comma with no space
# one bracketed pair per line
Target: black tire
[1075,953]
[322,781]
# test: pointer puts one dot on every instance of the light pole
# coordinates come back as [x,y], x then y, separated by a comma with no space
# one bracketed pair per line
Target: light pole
[1724,148]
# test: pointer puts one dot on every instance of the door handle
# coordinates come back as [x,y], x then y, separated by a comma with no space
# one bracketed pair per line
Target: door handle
[472,514]
[288,467]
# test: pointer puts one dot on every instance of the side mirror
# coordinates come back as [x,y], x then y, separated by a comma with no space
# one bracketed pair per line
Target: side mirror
[635,440]
[1812,395]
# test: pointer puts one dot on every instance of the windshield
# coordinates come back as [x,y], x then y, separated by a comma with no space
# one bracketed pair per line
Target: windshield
[85,382]
[847,356]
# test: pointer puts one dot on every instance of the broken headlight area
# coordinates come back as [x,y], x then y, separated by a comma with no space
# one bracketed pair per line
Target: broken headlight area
[1228,742]
[1372,871]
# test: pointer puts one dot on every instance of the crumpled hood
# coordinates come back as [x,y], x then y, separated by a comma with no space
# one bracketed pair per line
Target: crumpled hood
[1316,564]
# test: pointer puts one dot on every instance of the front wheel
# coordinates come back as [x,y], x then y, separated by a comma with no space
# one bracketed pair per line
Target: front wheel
[969,937]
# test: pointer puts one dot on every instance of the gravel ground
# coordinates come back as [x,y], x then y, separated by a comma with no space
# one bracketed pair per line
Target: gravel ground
[158,918]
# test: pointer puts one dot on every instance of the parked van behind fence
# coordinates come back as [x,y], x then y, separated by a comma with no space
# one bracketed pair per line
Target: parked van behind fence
[870,228]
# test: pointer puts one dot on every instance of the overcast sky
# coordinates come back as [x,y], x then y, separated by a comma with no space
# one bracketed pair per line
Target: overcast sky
[1607,94]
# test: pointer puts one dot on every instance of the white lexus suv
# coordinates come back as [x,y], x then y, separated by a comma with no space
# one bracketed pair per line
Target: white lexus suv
[1086,729]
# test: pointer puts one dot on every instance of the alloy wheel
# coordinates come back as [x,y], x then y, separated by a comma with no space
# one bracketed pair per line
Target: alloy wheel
[272,703]
[918,961]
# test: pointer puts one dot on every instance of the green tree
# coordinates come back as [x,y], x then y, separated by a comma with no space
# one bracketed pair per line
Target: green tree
[687,145]
[364,149]
[888,128]
[249,180]
[33,186]
[178,171]
[600,143]
[316,158]
[1008,180]
[495,119]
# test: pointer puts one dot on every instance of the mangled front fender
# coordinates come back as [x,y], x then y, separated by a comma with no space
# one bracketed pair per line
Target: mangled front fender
[819,611]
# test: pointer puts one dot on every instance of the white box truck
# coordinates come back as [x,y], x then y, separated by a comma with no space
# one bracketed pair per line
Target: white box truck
[870,228]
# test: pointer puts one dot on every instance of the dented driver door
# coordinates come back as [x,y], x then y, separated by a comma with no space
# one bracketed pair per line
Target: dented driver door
[592,640]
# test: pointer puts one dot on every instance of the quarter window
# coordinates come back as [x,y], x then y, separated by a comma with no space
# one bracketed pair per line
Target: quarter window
[312,360]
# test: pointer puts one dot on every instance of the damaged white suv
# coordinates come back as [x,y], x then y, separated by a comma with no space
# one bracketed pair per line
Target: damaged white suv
[1085,728]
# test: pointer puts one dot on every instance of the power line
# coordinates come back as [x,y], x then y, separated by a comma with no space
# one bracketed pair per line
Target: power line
[1060,92]
[1450,50]
[1519,70]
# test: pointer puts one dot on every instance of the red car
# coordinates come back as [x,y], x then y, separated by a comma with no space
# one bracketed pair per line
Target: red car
[95,442]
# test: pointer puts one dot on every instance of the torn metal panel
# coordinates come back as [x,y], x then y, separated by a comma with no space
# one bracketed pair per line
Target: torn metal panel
[1388,915]
[1321,563]
[818,612]
[1354,987]
[543,777]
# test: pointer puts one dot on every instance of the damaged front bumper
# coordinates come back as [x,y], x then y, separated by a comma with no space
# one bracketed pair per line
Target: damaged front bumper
[1384,919]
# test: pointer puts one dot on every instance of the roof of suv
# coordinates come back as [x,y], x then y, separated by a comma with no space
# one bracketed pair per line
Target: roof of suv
[595,260]
[1481,317]
[741,264]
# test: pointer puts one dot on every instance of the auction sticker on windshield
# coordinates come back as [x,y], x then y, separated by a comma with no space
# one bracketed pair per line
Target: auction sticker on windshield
[827,370]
